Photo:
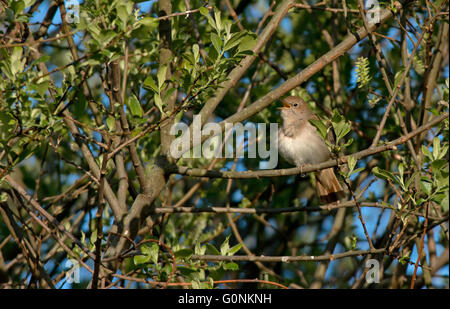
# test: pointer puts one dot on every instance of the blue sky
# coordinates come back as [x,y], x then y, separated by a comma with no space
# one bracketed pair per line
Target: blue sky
[370,215]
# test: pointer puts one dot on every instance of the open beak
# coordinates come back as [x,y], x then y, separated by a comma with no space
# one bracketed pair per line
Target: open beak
[285,105]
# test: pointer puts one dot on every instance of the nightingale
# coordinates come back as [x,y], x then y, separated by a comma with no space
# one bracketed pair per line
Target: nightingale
[300,144]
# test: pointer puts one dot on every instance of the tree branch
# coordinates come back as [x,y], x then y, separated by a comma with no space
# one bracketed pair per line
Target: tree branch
[293,209]
[284,259]
[291,83]
[237,73]
[198,172]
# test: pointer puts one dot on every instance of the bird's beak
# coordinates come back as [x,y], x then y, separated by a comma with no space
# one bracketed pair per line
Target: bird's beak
[285,105]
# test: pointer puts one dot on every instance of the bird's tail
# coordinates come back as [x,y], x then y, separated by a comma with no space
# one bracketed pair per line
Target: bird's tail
[328,187]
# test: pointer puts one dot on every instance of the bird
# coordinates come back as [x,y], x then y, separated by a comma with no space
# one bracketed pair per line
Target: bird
[300,144]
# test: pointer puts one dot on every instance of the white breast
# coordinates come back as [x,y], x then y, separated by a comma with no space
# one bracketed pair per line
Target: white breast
[305,148]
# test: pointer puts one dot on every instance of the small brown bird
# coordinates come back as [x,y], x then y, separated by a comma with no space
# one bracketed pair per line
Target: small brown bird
[300,144]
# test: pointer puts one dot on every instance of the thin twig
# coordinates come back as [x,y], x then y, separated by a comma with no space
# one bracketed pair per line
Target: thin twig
[425,226]
[285,259]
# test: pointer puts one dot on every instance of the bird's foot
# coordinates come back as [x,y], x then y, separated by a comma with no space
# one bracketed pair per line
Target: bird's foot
[301,167]
[332,205]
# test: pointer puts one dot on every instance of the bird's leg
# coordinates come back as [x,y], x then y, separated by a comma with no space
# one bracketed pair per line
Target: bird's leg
[301,166]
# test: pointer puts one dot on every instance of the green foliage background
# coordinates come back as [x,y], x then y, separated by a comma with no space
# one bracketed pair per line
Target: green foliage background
[42,81]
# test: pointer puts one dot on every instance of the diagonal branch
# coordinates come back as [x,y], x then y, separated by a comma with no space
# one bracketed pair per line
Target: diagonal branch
[295,81]
[285,259]
[237,73]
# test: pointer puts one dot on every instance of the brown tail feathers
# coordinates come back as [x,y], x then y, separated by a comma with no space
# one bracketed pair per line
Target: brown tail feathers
[328,187]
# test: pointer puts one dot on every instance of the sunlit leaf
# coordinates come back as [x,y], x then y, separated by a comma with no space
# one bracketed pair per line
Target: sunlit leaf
[426,185]
[135,106]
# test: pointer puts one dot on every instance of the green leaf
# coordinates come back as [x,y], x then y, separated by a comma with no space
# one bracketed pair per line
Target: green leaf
[183,253]
[140,259]
[41,88]
[341,129]
[111,123]
[196,51]
[150,22]
[151,250]
[420,201]
[227,25]
[123,15]
[404,259]
[354,242]
[186,271]
[387,205]
[204,11]
[216,41]
[336,118]
[401,170]
[80,105]
[17,6]
[443,152]
[195,284]
[398,76]
[234,249]
[380,173]
[211,249]
[340,126]
[245,203]
[168,93]
[29,2]
[199,249]
[247,43]
[161,76]
[93,238]
[231,266]
[357,170]
[24,153]
[413,176]
[225,246]
[320,126]
[351,161]
[349,142]
[444,202]
[4,198]
[83,237]
[7,124]
[438,165]
[426,185]
[159,103]
[218,20]
[135,106]
[436,147]
[17,62]
[105,38]
[43,58]
[149,83]
[235,39]
[438,197]
[427,152]
[5,67]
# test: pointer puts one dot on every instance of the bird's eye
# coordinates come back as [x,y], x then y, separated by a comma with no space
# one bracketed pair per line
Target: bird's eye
[295,105]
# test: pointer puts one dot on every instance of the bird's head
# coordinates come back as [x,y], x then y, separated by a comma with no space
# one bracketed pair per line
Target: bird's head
[294,109]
